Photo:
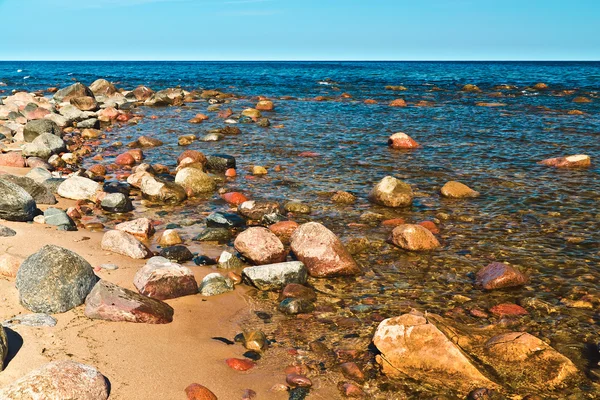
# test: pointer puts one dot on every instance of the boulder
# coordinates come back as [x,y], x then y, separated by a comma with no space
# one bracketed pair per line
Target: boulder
[102,87]
[71,92]
[59,380]
[414,238]
[12,159]
[116,203]
[195,181]
[35,128]
[78,188]
[391,192]
[141,93]
[39,193]
[499,275]
[220,162]
[158,191]
[401,140]
[15,203]
[162,279]
[260,246]
[57,217]
[141,227]
[457,190]
[215,284]
[284,230]
[322,252]
[166,97]
[110,302]
[85,103]
[576,161]
[125,244]
[177,253]
[410,345]
[54,280]
[275,276]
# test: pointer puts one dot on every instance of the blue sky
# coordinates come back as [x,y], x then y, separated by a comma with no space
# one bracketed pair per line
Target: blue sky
[300,30]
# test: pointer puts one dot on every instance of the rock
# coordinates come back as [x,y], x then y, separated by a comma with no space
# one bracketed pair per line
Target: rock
[284,230]
[470,88]
[224,220]
[12,159]
[391,192]
[34,320]
[71,92]
[78,188]
[102,87]
[410,345]
[523,360]
[352,371]
[166,97]
[53,143]
[265,105]
[110,302]
[260,246]
[322,252]
[576,161]
[125,244]
[15,203]
[297,291]
[85,103]
[429,225]
[297,207]
[170,237]
[159,191]
[229,261]
[59,380]
[220,235]
[251,113]
[6,231]
[498,275]
[240,364]
[259,170]
[35,128]
[212,137]
[162,279]
[401,140]
[140,227]
[215,284]
[146,141]
[141,93]
[9,265]
[220,162]
[54,280]
[199,392]
[116,203]
[293,306]
[190,157]
[508,310]
[398,103]
[186,140]
[256,210]
[275,276]
[57,217]
[342,197]
[39,193]
[234,198]
[457,190]
[255,341]
[125,159]
[195,181]
[350,390]
[177,253]
[3,347]
[204,260]
[414,238]
[297,380]
[39,175]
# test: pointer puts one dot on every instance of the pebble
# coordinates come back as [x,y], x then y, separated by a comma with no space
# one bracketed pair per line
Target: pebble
[240,364]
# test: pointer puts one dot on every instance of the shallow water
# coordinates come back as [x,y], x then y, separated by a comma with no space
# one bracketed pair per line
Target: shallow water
[545,221]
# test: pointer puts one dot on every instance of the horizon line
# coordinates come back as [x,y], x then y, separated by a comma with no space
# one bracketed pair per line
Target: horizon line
[303,60]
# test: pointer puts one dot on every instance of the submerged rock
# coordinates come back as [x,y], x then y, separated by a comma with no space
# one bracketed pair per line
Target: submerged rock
[275,276]
[220,235]
[576,161]
[401,140]
[391,192]
[195,181]
[224,220]
[498,275]
[177,253]
[457,190]
[414,238]
[162,279]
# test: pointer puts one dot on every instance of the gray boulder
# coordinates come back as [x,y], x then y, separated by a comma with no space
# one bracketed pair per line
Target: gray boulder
[15,203]
[54,280]
[57,217]
[275,276]
[39,174]
[72,92]
[36,127]
[40,193]
[116,203]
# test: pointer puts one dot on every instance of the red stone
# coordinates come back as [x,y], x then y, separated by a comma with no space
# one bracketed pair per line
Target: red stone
[125,159]
[432,227]
[309,154]
[199,392]
[191,157]
[234,198]
[508,309]
[240,364]
[498,275]
[370,101]
[575,161]
[398,103]
[12,159]
[230,173]
[350,390]
[393,222]
[401,140]
[98,170]
[284,230]
[225,113]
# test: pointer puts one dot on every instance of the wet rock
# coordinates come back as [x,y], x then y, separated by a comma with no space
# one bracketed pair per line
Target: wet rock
[259,170]
[351,391]
[170,237]
[398,103]
[3,347]
[220,162]
[195,181]
[256,210]
[524,360]
[57,217]
[177,253]
[576,161]
[298,291]
[140,227]
[275,276]
[191,157]
[485,394]
[498,275]
[85,103]
[414,238]
[234,198]
[15,203]
[352,371]
[166,97]
[284,230]
[401,140]
[263,122]
[220,235]
[224,220]
[391,192]
[457,190]
[229,261]
[59,380]
[158,191]
[470,88]
[162,279]
[37,127]
[255,341]
[125,244]
[215,284]
[322,252]
[342,197]
[240,364]
[6,231]
[199,392]
[78,188]
[186,140]
[125,159]
[508,310]
[265,105]
[54,280]
[212,137]
[260,246]
[293,306]
[39,193]
[411,345]
[297,380]
[204,260]
[116,203]
[429,225]
[146,141]
[297,207]
[110,302]
[141,93]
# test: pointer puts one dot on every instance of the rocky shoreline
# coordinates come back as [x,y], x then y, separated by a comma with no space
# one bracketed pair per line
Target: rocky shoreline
[286,264]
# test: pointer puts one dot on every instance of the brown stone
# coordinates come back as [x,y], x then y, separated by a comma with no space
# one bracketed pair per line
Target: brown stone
[199,392]
[457,190]
[498,275]
[414,238]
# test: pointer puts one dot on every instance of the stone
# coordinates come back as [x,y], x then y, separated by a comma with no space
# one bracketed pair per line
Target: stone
[199,392]
[162,279]
[220,162]
[470,88]
[508,310]
[59,380]
[414,238]
[297,291]
[190,157]
[186,140]
[57,217]
[224,220]
[322,252]
[499,275]
[142,93]
[12,159]
[575,161]
[352,371]
[85,103]
[350,390]
[177,253]
[39,193]
[166,97]
[220,235]
[457,190]
[102,87]
[35,320]
[265,105]
[229,261]
[297,207]
[256,210]
[234,198]
[240,364]
[125,244]
[294,306]
[159,191]
[275,276]
[54,280]
[297,380]
[401,140]
[78,188]
[52,143]
[215,284]
[398,103]
[259,170]
[284,230]
[410,345]
[212,137]
[342,197]
[116,203]
[260,246]
[6,231]
[140,227]
[110,302]
[3,347]
[147,141]
[71,92]
[255,340]
[40,175]
[170,237]
[9,265]
[195,181]
[15,203]
[391,192]
[35,128]
[125,159]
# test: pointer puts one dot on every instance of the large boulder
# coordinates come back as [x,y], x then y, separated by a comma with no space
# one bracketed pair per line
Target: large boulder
[260,246]
[125,244]
[54,280]
[71,92]
[166,97]
[159,191]
[85,103]
[110,302]
[322,252]
[102,87]
[391,192]
[195,181]
[140,93]
[410,345]
[414,238]
[457,190]
[275,276]
[78,188]
[162,279]
[35,128]
[15,203]
[59,380]
[40,193]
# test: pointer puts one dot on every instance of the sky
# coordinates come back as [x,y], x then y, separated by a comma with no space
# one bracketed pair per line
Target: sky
[300,30]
